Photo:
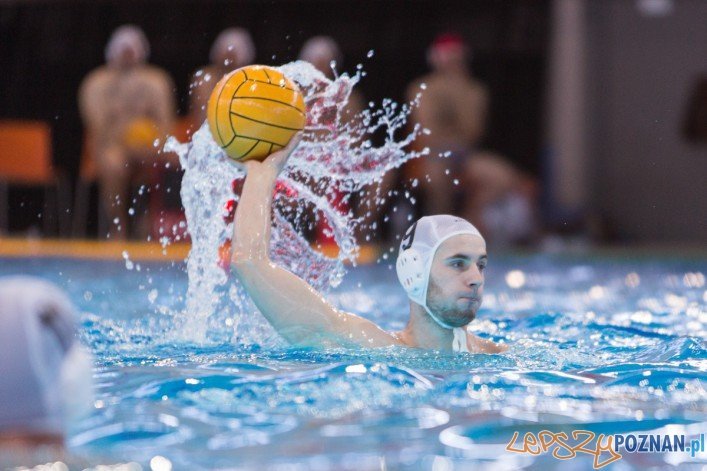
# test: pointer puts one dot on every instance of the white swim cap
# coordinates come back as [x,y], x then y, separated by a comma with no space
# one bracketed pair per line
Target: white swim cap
[46,374]
[417,250]
[128,36]
[237,40]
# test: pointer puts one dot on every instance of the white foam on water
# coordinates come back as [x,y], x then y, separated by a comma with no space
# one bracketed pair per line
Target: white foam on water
[337,156]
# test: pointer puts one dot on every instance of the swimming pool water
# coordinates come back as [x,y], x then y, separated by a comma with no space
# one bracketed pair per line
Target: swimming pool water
[607,344]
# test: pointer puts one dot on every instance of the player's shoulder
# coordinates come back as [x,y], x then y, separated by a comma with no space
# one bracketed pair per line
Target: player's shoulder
[369,333]
[156,72]
[422,81]
[479,345]
[98,75]
[96,81]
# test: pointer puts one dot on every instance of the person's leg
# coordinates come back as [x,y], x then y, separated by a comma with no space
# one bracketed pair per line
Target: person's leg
[437,185]
[148,193]
[114,178]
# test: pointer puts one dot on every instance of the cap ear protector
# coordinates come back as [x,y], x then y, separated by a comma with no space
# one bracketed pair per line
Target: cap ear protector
[75,373]
[411,268]
[411,272]
[76,380]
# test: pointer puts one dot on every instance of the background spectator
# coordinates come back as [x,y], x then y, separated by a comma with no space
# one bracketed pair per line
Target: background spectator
[126,105]
[232,49]
[500,200]
[453,106]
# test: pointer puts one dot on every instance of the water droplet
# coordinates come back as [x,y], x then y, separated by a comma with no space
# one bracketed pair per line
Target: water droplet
[160,463]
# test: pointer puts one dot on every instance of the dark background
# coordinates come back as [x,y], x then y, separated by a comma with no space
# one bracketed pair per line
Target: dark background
[47,47]
[644,179]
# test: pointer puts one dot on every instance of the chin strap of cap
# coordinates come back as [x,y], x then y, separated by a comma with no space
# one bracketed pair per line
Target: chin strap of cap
[459,343]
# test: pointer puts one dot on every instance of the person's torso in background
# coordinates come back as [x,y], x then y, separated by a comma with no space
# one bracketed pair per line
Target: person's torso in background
[509,220]
[453,108]
[112,99]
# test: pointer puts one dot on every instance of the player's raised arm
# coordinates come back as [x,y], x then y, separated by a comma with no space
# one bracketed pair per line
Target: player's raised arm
[297,311]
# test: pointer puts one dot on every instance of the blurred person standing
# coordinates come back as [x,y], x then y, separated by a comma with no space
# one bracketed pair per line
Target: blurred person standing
[46,384]
[501,200]
[232,49]
[453,106]
[325,55]
[126,105]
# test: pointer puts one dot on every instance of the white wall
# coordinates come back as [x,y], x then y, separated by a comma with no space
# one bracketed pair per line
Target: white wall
[649,181]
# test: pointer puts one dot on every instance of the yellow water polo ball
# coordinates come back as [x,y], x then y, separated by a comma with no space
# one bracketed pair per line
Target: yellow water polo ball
[254,111]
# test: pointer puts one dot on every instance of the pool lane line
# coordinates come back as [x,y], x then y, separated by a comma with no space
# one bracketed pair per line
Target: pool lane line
[137,251]
[92,249]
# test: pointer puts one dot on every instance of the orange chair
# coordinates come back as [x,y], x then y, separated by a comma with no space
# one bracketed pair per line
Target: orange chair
[26,160]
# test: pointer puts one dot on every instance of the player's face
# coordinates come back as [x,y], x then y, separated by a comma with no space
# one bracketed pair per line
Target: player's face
[456,284]
[228,56]
[128,56]
[450,58]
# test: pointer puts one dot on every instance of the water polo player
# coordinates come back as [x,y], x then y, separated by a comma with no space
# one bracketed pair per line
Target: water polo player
[46,379]
[441,266]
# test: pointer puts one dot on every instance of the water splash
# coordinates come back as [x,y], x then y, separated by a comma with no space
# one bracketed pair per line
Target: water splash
[206,188]
[336,159]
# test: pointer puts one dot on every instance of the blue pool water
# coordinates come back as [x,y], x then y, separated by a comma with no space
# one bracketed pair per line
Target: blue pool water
[605,344]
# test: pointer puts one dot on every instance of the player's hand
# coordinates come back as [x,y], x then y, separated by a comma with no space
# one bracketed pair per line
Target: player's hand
[278,159]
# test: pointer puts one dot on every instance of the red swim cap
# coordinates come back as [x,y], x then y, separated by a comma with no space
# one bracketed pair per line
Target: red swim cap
[448,40]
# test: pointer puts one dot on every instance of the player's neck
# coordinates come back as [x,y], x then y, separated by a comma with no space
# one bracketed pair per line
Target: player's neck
[455,71]
[422,331]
